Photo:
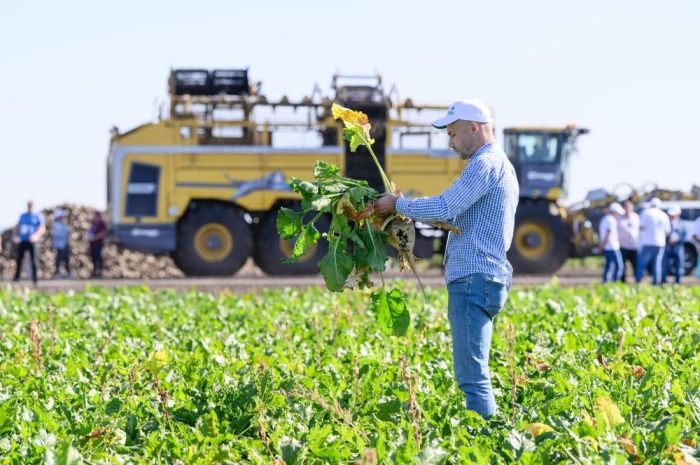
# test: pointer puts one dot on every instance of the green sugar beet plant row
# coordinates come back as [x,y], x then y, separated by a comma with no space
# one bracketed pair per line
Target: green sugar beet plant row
[603,375]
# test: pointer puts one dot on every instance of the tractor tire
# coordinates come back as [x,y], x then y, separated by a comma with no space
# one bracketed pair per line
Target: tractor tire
[212,240]
[270,250]
[541,241]
[690,256]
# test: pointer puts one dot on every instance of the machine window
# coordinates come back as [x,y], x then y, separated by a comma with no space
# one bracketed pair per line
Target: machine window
[142,190]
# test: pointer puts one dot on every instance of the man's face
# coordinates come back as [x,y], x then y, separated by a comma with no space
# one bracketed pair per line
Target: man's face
[629,207]
[30,206]
[463,138]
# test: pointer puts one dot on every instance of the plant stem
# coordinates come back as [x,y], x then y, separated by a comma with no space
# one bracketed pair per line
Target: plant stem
[385,179]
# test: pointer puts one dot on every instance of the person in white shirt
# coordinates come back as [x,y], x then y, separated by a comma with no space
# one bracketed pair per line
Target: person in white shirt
[61,243]
[610,243]
[654,226]
[696,236]
[628,230]
[674,259]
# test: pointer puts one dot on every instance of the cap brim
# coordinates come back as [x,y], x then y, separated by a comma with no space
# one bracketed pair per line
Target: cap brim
[443,122]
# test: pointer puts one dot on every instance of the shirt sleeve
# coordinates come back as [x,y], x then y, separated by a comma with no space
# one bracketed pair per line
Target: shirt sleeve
[476,180]
[667,224]
[604,228]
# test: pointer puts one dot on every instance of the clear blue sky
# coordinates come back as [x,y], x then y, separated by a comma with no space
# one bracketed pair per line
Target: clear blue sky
[628,70]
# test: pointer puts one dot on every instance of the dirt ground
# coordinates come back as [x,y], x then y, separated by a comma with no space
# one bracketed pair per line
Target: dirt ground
[250,279]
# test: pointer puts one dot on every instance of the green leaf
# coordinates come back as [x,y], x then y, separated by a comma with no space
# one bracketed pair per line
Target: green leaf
[391,311]
[340,225]
[325,170]
[431,456]
[289,222]
[353,136]
[357,196]
[308,237]
[375,254]
[320,204]
[336,265]
[335,188]
[66,454]
[303,187]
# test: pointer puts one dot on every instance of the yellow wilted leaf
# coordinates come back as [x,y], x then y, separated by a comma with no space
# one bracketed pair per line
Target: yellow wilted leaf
[609,412]
[535,429]
[348,115]
[356,126]
[629,446]
[637,371]
[157,361]
[681,457]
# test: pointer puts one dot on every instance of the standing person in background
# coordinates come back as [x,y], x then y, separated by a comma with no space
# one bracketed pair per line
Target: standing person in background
[696,236]
[61,243]
[674,246]
[96,237]
[28,231]
[628,231]
[654,226]
[610,243]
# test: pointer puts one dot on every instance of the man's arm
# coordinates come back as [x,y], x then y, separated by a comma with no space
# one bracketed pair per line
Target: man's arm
[39,232]
[476,180]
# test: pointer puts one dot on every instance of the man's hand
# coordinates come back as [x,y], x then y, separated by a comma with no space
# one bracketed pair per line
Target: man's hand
[386,205]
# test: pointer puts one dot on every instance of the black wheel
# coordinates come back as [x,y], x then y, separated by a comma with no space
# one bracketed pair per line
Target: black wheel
[270,250]
[690,256]
[212,240]
[540,240]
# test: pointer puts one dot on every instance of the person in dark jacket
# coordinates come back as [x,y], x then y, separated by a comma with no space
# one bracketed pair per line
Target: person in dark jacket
[96,237]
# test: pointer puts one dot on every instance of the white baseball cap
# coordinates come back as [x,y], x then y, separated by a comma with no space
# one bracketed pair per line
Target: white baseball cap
[616,208]
[58,213]
[467,110]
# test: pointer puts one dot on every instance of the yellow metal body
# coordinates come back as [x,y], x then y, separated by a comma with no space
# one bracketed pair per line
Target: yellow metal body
[193,172]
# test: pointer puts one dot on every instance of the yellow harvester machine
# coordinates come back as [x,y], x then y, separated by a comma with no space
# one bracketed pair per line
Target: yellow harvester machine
[205,184]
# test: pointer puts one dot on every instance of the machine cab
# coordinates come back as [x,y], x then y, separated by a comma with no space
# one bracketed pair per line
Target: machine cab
[541,159]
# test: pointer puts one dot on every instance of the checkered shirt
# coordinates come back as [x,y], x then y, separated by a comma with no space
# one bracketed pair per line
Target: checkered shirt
[481,203]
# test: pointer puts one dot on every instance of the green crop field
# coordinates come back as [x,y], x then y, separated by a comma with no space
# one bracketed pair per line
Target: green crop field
[604,375]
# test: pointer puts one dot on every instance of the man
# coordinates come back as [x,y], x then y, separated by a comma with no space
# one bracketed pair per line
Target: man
[96,237]
[610,243]
[481,203]
[28,231]
[674,246]
[654,226]
[61,243]
[628,230]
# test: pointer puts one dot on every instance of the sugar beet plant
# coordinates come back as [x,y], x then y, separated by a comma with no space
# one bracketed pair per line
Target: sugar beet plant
[357,237]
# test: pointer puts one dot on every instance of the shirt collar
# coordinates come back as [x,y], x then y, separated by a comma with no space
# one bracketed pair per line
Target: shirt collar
[482,149]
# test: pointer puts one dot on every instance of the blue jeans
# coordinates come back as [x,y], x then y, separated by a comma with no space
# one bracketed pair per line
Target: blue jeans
[473,302]
[674,255]
[614,266]
[653,255]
